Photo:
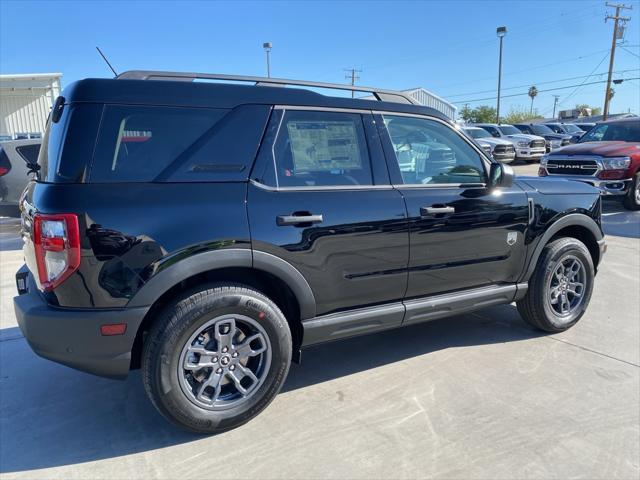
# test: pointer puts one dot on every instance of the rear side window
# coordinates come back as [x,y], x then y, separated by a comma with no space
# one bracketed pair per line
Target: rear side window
[321,149]
[136,144]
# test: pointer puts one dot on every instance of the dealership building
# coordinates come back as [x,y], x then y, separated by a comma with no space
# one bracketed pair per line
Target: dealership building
[25,102]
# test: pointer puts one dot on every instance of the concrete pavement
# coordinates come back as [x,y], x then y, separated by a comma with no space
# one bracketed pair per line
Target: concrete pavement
[475,396]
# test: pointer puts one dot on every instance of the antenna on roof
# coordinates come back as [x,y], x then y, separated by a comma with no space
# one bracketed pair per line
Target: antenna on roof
[105,59]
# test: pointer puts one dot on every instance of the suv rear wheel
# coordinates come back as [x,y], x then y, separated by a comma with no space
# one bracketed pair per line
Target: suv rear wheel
[560,287]
[216,358]
[632,198]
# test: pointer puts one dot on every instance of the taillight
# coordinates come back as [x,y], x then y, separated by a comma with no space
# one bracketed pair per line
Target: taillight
[56,239]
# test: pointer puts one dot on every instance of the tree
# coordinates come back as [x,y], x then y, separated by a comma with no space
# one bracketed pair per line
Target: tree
[519,115]
[481,114]
[533,93]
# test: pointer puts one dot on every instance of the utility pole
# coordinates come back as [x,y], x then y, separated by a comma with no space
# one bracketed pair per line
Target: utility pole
[555,104]
[616,18]
[353,77]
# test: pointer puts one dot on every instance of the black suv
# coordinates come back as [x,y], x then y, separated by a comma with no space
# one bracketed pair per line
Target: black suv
[205,232]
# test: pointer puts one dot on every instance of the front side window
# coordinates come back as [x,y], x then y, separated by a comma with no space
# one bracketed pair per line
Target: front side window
[315,149]
[556,128]
[524,129]
[429,152]
[542,130]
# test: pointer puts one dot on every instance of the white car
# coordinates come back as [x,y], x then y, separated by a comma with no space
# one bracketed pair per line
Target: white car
[15,155]
[528,147]
[502,150]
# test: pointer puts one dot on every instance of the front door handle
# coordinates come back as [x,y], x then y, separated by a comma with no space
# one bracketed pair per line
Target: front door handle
[428,211]
[283,220]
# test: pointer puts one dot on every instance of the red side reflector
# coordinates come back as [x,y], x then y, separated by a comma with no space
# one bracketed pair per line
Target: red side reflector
[113,329]
[3,171]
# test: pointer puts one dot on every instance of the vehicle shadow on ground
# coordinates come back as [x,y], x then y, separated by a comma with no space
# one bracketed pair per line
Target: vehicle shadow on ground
[618,221]
[52,416]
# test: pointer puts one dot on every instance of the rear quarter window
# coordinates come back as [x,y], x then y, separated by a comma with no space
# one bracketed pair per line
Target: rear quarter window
[164,144]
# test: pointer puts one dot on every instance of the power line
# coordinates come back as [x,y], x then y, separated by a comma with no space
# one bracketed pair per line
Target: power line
[573,59]
[541,83]
[541,91]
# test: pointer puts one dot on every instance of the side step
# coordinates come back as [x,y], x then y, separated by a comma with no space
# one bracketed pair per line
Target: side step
[382,317]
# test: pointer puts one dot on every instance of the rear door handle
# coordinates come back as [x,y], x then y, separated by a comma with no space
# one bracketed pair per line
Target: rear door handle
[284,220]
[428,211]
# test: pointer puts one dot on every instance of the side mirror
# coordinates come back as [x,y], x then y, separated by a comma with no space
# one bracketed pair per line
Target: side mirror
[500,175]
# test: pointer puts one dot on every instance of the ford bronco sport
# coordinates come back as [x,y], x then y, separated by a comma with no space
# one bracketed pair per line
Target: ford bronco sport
[206,232]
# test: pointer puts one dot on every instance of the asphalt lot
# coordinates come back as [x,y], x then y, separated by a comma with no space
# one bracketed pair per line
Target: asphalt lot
[474,396]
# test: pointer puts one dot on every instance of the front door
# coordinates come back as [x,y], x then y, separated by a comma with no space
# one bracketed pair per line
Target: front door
[462,233]
[320,199]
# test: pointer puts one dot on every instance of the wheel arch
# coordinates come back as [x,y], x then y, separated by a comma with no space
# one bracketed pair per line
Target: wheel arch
[575,225]
[271,275]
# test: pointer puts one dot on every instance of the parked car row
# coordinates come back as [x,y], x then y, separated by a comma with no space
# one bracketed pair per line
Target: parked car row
[530,141]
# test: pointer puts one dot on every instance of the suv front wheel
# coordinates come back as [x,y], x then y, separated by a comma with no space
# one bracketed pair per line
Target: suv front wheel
[632,198]
[560,287]
[216,358]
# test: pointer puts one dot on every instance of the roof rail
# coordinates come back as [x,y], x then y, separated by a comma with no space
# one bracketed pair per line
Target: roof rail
[379,94]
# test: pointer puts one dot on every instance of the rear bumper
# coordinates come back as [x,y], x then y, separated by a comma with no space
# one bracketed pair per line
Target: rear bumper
[72,336]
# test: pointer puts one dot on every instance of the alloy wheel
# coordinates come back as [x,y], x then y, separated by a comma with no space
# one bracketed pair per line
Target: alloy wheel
[567,286]
[224,363]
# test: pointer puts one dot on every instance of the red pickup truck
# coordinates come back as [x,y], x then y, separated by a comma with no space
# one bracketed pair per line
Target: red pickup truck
[607,157]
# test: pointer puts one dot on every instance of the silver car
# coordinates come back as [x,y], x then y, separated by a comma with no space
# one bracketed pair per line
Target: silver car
[528,147]
[15,158]
[501,150]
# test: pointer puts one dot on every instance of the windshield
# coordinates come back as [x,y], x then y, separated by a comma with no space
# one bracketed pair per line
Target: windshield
[477,133]
[541,130]
[509,130]
[612,132]
[571,128]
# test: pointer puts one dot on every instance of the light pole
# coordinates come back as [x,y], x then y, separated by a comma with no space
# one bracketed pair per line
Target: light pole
[501,32]
[267,48]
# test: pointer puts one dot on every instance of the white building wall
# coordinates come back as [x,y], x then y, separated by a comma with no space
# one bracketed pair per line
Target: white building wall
[25,102]
[428,99]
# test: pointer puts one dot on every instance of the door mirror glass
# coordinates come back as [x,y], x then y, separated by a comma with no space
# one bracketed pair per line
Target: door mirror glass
[500,175]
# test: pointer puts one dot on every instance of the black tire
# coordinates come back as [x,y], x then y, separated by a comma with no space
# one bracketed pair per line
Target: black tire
[536,308]
[631,200]
[161,357]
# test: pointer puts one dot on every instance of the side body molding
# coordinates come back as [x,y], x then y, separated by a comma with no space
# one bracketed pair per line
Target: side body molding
[226,258]
[573,219]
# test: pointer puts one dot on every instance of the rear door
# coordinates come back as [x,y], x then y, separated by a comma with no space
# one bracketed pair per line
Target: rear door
[462,234]
[320,199]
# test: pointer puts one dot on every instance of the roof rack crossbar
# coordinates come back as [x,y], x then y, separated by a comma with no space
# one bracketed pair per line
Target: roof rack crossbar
[378,93]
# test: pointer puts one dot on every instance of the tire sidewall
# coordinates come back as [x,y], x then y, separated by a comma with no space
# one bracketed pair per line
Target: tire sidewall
[173,402]
[630,200]
[578,250]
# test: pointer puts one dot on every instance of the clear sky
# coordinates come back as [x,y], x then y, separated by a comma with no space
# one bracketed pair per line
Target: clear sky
[448,47]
